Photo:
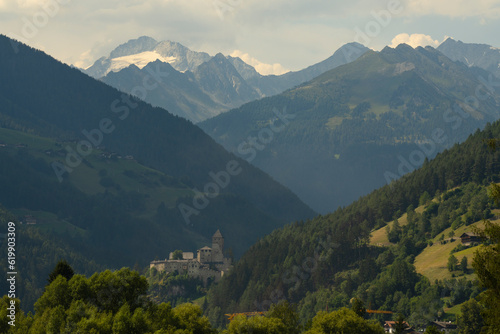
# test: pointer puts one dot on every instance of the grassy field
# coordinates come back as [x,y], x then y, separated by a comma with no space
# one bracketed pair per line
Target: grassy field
[433,260]
[379,237]
[455,310]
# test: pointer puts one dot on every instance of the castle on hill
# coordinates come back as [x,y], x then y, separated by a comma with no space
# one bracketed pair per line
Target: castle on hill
[209,262]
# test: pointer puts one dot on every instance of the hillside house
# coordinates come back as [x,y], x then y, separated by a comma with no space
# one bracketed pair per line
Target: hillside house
[443,326]
[390,327]
[30,220]
[468,238]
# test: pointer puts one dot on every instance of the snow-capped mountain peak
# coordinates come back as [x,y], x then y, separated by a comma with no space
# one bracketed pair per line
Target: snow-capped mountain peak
[144,50]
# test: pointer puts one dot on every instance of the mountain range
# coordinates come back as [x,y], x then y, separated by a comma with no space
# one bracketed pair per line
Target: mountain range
[113,180]
[117,180]
[197,86]
[472,54]
[361,125]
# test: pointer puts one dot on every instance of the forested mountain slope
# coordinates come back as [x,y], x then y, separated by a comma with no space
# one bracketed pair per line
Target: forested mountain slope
[328,260]
[361,125]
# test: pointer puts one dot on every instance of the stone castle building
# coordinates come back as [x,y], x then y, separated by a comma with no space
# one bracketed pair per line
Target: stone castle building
[209,262]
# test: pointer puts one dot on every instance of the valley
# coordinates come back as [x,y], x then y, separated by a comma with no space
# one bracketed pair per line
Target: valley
[353,195]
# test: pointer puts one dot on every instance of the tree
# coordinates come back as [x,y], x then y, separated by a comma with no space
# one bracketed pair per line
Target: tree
[107,302]
[22,322]
[424,198]
[358,307]
[432,330]
[343,321]
[452,263]
[471,321]
[255,325]
[400,325]
[287,313]
[122,321]
[62,268]
[463,264]
[486,263]
[190,317]
[56,294]
[177,255]
[394,234]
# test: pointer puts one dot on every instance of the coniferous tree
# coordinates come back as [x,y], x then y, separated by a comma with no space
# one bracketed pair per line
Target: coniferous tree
[400,324]
[62,268]
[463,264]
[358,307]
[452,263]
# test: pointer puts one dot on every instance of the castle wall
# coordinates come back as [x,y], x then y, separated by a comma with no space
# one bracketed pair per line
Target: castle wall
[204,255]
[185,255]
[199,267]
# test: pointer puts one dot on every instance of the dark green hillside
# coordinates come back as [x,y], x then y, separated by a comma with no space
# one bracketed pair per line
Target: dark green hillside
[42,96]
[352,127]
[328,260]
[116,201]
[36,254]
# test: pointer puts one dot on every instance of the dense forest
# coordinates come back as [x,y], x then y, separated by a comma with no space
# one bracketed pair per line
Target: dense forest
[117,302]
[328,260]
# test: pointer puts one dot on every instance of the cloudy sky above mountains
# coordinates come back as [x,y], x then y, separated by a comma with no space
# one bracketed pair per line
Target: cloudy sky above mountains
[274,36]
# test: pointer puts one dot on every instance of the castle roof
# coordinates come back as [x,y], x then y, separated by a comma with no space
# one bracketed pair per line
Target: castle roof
[217,234]
[206,247]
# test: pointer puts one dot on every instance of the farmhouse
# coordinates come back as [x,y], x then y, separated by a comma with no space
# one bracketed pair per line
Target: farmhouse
[445,327]
[469,238]
[391,327]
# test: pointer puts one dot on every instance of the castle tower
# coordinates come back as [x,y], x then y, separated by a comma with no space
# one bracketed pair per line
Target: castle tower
[217,247]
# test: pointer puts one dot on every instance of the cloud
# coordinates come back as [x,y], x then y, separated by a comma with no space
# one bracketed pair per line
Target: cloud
[454,8]
[293,33]
[31,3]
[262,68]
[84,60]
[414,40]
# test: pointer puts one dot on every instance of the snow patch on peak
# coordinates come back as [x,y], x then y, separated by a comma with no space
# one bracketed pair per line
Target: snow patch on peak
[469,64]
[140,60]
[403,67]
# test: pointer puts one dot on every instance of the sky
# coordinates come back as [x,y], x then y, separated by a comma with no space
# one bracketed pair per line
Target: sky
[275,36]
